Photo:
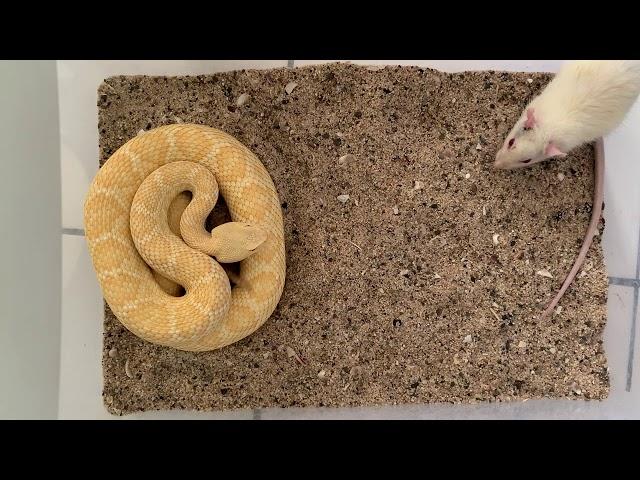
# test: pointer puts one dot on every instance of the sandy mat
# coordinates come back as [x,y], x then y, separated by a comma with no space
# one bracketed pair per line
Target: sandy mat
[422,286]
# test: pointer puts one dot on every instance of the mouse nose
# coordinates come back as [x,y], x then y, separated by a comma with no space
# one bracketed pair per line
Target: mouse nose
[499,163]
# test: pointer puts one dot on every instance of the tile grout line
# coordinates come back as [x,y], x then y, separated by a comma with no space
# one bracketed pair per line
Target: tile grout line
[624,282]
[632,334]
[73,231]
[632,339]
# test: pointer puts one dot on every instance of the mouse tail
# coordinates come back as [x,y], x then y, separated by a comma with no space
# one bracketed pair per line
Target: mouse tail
[596,212]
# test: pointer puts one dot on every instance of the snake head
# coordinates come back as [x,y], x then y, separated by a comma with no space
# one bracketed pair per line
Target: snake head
[235,241]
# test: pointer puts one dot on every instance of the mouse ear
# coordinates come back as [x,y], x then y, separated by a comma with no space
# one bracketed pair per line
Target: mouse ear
[553,151]
[531,119]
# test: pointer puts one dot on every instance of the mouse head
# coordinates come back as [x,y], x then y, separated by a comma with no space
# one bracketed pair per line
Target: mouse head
[526,144]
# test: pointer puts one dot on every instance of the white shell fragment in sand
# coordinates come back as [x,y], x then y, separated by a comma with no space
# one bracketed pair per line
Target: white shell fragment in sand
[544,273]
[495,237]
[468,339]
[418,185]
[343,198]
[558,310]
[561,176]
[529,80]
[141,131]
[346,158]
[321,374]
[396,211]
[478,147]
[484,211]
[127,370]
[404,273]
[467,176]
[242,99]
[290,87]
[522,344]
[113,352]
[436,276]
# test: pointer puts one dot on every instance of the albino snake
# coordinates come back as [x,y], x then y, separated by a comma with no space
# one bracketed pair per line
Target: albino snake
[145,238]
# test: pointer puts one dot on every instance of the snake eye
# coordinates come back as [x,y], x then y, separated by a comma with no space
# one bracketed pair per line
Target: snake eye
[512,142]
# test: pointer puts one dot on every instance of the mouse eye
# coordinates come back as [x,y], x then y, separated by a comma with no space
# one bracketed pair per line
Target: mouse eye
[512,142]
[526,161]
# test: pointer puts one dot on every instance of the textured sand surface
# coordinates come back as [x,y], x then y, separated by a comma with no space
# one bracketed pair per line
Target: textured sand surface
[422,286]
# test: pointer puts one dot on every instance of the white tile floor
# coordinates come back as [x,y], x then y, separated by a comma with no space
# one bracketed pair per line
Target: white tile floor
[80,363]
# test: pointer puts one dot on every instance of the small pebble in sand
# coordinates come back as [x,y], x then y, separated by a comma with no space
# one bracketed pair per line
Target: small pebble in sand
[544,273]
[529,80]
[558,310]
[553,350]
[141,132]
[418,185]
[396,211]
[496,238]
[290,87]
[478,147]
[345,158]
[321,374]
[453,100]
[484,211]
[242,99]
[436,276]
[112,353]
[561,176]
[343,198]
[522,344]
[404,273]
[291,353]
[467,176]
[468,339]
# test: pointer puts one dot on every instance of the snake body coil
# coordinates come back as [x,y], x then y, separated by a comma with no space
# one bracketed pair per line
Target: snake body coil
[145,239]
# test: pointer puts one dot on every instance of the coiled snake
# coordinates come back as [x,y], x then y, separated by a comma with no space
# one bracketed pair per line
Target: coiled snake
[146,239]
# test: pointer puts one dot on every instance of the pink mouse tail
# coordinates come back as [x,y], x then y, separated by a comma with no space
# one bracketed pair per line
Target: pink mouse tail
[596,212]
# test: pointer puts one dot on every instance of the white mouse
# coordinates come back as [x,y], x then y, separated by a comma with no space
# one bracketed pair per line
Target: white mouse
[585,101]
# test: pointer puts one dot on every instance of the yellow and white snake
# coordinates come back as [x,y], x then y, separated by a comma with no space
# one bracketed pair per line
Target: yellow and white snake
[146,239]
